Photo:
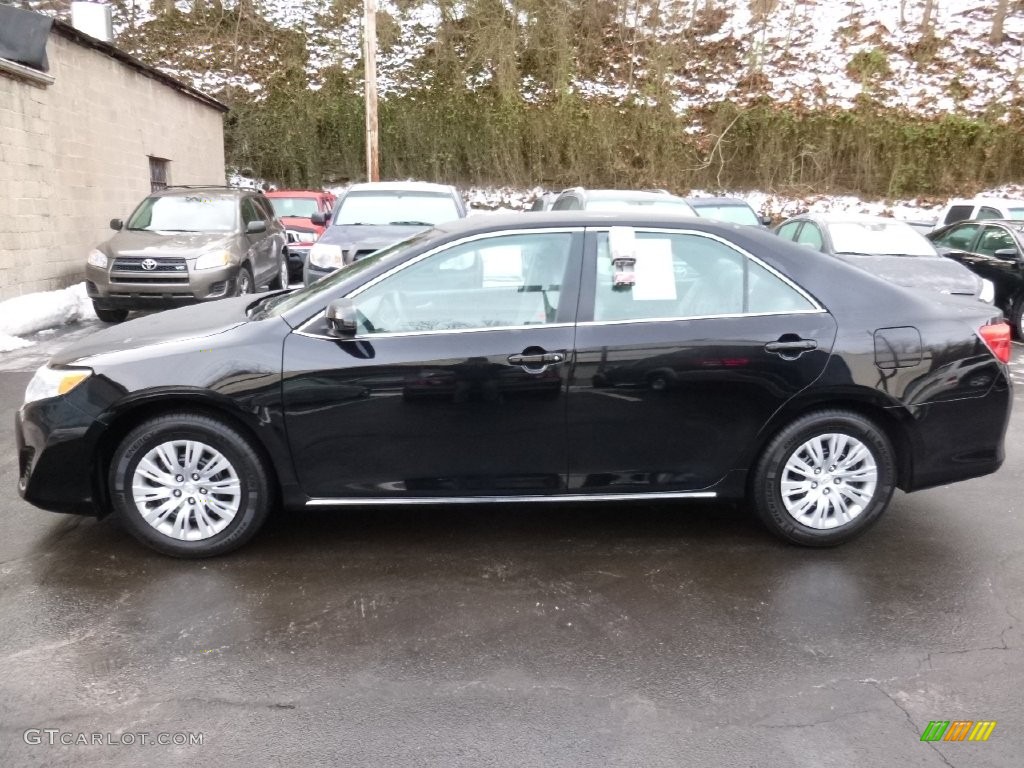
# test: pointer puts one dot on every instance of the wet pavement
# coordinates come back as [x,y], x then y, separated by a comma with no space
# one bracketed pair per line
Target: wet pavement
[628,635]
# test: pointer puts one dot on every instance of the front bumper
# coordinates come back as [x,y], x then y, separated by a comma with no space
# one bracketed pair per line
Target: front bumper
[311,273]
[113,290]
[56,443]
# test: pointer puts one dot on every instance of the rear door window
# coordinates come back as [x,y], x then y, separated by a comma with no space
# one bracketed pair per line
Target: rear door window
[989,213]
[959,238]
[811,235]
[788,231]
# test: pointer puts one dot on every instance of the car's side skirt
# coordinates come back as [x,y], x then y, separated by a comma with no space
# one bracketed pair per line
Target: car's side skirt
[367,501]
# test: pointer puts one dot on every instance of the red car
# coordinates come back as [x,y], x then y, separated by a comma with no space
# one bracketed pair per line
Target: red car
[295,209]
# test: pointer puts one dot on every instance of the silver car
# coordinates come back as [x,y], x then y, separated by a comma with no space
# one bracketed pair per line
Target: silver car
[184,245]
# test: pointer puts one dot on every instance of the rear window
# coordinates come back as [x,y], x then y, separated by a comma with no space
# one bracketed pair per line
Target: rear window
[398,208]
[893,238]
[734,214]
[185,213]
[299,207]
[958,213]
[646,204]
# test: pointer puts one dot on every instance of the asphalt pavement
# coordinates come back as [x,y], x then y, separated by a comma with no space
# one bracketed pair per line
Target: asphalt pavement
[627,635]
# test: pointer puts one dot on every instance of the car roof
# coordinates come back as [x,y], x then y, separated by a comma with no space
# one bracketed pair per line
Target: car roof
[401,186]
[851,218]
[626,194]
[211,189]
[697,202]
[994,201]
[296,193]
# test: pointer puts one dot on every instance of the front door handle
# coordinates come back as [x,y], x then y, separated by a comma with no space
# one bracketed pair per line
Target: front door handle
[546,358]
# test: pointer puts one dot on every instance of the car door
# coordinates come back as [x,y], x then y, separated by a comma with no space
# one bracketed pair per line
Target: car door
[675,376]
[455,383]
[272,245]
[256,242]
[1004,269]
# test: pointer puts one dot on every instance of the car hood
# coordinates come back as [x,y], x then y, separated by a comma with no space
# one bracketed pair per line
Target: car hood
[932,273]
[155,245]
[365,237]
[192,322]
[300,223]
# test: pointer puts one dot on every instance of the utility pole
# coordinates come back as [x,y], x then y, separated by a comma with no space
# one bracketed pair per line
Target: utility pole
[370,89]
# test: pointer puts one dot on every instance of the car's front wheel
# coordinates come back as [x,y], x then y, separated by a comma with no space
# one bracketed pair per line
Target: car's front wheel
[824,478]
[110,315]
[281,281]
[244,283]
[189,485]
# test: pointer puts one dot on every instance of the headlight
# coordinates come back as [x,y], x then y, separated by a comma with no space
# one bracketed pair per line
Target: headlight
[97,258]
[213,259]
[52,382]
[988,291]
[326,256]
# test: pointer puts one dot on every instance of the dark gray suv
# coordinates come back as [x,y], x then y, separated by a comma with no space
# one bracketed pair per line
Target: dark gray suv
[184,245]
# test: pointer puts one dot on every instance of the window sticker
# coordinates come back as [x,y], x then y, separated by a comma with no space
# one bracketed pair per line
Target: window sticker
[655,278]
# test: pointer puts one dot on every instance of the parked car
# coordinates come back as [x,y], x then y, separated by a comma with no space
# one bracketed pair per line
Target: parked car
[580,199]
[296,209]
[184,245]
[730,209]
[371,216]
[992,249]
[425,374]
[889,248]
[979,208]
[543,202]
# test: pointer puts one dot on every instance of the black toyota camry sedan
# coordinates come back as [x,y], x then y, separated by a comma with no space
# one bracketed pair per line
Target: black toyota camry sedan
[558,356]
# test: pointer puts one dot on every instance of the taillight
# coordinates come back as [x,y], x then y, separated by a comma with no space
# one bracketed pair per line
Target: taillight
[997,336]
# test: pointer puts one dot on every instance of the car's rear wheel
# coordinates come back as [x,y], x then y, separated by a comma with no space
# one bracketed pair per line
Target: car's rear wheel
[189,485]
[1017,316]
[281,281]
[825,478]
[110,315]
[244,283]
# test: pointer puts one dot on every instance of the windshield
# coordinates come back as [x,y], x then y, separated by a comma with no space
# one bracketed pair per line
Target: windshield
[734,214]
[678,206]
[299,207]
[1015,213]
[285,301]
[191,213]
[879,237]
[383,208]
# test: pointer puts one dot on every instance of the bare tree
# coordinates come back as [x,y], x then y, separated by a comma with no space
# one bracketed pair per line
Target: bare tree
[996,36]
[926,17]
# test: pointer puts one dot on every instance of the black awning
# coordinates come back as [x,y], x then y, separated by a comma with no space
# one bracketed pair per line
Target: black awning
[23,36]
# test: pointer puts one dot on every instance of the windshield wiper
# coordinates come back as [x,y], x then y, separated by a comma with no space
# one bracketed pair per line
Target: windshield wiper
[410,224]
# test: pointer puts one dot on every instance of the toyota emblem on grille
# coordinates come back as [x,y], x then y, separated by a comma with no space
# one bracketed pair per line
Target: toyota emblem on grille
[149,264]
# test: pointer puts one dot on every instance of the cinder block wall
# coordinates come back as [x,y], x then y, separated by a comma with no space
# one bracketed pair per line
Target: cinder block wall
[75,154]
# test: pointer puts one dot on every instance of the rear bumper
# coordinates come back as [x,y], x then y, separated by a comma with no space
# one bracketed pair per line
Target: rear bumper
[959,439]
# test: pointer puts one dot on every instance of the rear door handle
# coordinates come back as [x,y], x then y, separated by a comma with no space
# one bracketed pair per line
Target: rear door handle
[790,347]
[547,358]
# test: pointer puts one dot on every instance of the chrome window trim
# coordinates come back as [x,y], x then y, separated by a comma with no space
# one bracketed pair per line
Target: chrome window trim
[703,317]
[443,331]
[742,251]
[301,330]
[573,497]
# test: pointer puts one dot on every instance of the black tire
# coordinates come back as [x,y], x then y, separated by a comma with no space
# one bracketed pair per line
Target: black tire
[280,281]
[110,315]
[1016,317]
[254,484]
[244,284]
[766,484]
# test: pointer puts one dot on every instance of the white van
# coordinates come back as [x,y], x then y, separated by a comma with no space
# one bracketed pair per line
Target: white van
[980,208]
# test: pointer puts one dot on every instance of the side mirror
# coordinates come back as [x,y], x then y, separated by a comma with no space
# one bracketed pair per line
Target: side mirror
[341,318]
[766,220]
[1006,254]
[320,219]
[116,224]
[255,227]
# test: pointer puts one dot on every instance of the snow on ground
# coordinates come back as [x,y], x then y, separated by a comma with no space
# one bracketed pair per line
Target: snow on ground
[33,312]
